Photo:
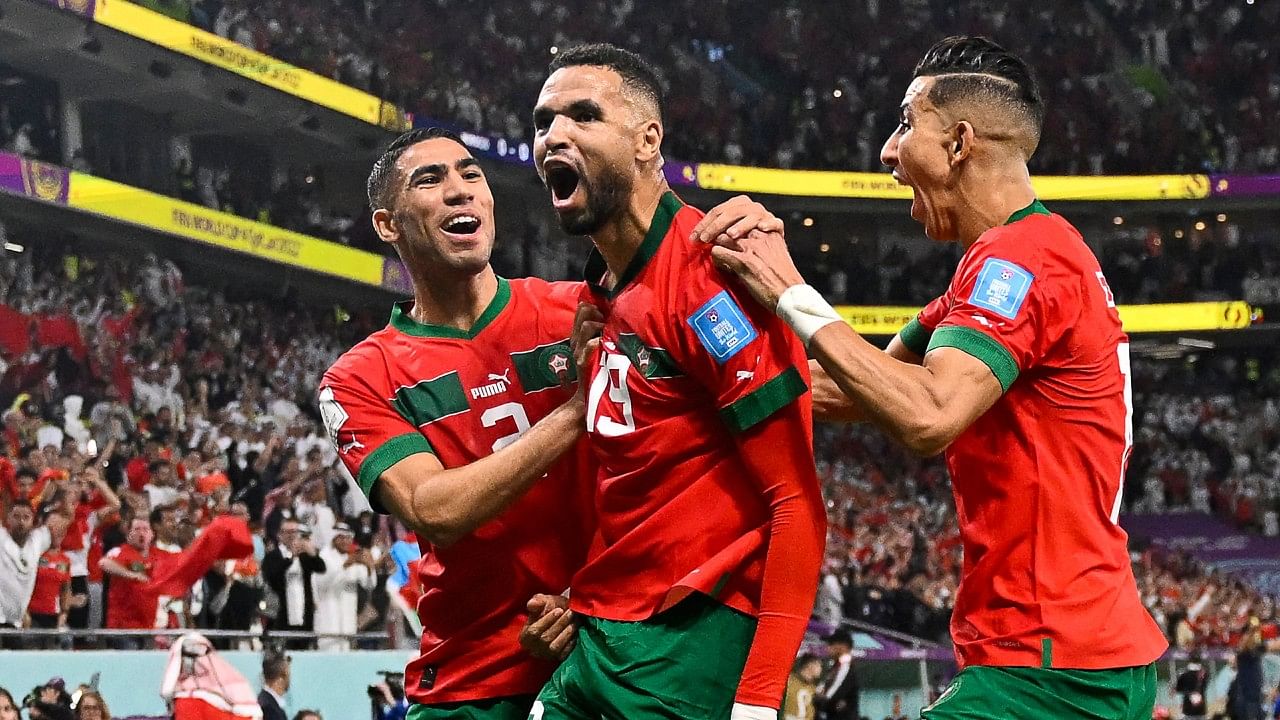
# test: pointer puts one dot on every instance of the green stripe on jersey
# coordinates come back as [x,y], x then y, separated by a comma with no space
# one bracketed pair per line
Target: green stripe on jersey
[431,400]
[544,366]
[387,455]
[653,363]
[915,336]
[982,346]
[764,401]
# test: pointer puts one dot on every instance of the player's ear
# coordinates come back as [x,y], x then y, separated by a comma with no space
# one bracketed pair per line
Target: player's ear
[384,223]
[962,138]
[649,141]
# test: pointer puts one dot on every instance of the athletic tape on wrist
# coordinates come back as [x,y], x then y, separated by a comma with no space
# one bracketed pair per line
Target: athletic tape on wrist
[803,308]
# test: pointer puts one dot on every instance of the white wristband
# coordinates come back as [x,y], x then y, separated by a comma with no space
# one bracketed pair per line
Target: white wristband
[753,712]
[803,308]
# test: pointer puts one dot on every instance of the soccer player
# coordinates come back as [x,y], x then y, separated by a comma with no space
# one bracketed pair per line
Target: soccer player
[1020,372]
[711,525]
[454,419]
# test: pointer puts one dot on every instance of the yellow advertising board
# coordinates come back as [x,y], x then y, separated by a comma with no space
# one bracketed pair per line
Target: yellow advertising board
[1167,317]
[882,186]
[218,51]
[140,207]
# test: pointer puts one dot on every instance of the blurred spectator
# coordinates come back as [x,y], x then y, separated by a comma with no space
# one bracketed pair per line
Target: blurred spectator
[8,708]
[348,569]
[276,671]
[837,696]
[92,706]
[287,571]
[21,545]
[1193,684]
[802,686]
[308,715]
[129,566]
[51,598]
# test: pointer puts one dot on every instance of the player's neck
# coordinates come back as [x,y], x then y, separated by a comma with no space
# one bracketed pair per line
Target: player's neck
[989,197]
[620,238]
[450,301]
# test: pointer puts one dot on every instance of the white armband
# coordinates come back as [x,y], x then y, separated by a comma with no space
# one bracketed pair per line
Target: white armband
[803,308]
[753,712]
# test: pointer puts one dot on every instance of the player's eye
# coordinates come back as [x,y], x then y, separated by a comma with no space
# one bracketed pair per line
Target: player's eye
[472,175]
[585,116]
[903,125]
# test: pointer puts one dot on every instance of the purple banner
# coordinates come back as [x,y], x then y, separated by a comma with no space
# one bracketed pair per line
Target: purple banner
[1244,185]
[1252,557]
[79,7]
[39,180]
[681,173]
[395,278]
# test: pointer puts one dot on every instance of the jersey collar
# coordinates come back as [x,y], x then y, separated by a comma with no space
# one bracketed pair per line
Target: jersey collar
[596,269]
[1035,208]
[401,321]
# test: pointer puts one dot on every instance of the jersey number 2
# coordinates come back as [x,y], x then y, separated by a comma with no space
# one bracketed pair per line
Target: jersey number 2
[613,377]
[512,410]
[1122,353]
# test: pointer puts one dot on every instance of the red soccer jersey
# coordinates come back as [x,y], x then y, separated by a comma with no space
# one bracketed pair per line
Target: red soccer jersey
[1037,479]
[53,573]
[688,361]
[129,605]
[412,388]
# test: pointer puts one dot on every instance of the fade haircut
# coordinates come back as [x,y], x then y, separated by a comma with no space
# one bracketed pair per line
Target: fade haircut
[977,68]
[638,76]
[381,186]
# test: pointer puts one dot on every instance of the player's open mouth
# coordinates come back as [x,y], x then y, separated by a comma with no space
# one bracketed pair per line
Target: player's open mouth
[461,224]
[563,181]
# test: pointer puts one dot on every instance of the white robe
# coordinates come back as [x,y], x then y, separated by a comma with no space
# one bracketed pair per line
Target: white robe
[337,598]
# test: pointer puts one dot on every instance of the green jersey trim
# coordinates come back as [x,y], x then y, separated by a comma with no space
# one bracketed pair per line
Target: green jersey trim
[430,400]
[387,455]
[1035,208]
[596,268]
[915,336]
[401,321]
[764,401]
[981,346]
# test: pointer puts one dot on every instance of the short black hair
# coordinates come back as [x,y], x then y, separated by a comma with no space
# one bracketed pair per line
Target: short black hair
[979,66]
[637,74]
[274,665]
[157,513]
[381,184]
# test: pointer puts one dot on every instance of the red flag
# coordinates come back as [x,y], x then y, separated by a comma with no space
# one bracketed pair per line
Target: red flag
[226,538]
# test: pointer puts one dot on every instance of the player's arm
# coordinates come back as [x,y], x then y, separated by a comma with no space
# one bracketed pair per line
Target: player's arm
[444,505]
[924,406]
[831,404]
[778,453]
[756,371]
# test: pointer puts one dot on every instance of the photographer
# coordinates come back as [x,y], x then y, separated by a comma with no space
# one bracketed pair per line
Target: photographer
[388,698]
[287,570]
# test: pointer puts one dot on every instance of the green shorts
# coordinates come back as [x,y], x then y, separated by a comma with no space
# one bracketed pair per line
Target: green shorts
[682,664]
[508,708]
[1015,693]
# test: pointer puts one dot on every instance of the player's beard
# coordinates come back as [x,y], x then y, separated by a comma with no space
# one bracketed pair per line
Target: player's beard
[606,197]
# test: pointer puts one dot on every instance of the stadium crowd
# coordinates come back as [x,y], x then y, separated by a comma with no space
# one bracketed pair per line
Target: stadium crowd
[140,409]
[1153,87]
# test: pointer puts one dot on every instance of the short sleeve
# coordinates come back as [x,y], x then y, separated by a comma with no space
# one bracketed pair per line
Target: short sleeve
[745,356]
[113,553]
[1003,308]
[367,431]
[915,336]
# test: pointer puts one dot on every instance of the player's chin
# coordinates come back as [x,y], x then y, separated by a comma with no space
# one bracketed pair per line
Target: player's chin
[578,220]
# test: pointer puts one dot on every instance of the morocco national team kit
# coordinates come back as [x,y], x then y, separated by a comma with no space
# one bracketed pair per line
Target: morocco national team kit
[653,527]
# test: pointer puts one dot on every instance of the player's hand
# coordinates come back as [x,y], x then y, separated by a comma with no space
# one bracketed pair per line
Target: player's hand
[733,220]
[587,324]
[763,263]
[551,630]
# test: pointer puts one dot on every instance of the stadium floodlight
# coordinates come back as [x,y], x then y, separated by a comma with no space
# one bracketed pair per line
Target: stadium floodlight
[13,247]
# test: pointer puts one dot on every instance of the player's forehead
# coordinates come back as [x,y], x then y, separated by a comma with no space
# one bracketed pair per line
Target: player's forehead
[439,151]
[576,83]
[915,100]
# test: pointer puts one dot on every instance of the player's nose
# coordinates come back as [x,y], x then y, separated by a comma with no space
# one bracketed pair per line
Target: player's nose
[557,135]
[889,152]
[456,192]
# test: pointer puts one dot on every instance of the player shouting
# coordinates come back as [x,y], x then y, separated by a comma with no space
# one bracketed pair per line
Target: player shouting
[1020,372]
[711,525]
[451,416]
